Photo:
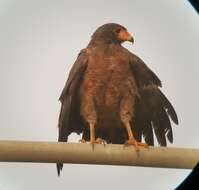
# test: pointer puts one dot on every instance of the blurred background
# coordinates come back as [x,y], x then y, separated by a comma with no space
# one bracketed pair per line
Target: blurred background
[39,42]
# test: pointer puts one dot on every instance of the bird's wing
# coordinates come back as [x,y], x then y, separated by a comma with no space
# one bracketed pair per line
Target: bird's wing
[153,109]
[143,75]
[153,113]
[76,71]
[69,118]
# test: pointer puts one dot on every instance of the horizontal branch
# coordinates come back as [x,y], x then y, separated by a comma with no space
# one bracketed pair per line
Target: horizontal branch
[77,153]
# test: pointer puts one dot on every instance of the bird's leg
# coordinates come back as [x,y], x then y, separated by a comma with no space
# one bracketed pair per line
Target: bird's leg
[126,115]
[131,139]
[92,134]
[88,112]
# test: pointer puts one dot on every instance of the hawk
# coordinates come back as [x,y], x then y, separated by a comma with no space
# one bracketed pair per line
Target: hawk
[111,94]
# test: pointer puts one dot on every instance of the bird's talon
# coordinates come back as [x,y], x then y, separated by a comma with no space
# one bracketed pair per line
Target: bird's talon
[92,143]
[136,144]
[100,141]
[97,141]
[82,141]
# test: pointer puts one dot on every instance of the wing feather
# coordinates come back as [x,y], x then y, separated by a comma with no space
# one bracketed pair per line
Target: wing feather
[69,118]
[143,75]
[153,109]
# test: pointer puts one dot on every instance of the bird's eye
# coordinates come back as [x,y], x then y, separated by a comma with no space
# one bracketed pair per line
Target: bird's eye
[118,30]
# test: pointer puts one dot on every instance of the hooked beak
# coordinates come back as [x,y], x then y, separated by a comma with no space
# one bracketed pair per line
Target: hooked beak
[130,39]
[125,36]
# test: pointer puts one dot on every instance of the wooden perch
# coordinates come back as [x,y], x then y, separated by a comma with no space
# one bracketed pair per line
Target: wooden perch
[76,153]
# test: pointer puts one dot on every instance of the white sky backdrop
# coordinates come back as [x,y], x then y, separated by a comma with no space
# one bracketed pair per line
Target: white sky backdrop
[39,41]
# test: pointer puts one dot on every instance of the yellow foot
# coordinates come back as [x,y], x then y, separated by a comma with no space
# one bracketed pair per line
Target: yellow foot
[100,141]
[136,144]
[97,141]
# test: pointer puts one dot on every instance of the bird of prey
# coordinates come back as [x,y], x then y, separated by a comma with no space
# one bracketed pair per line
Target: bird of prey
[111,94]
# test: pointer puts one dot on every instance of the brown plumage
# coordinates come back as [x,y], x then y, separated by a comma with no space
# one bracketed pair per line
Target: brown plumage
[111,94]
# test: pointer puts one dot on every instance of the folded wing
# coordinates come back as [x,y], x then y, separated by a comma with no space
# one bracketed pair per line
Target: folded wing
[69,118]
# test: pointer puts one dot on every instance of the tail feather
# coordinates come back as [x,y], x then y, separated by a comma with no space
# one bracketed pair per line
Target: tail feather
[59,168]
[63,137]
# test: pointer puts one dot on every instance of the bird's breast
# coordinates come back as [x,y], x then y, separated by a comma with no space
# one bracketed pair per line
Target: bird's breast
[106,80]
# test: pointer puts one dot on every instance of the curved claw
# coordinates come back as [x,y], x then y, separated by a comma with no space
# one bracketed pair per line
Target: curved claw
[92,143]
[97,141]
[100,141]
[136,144]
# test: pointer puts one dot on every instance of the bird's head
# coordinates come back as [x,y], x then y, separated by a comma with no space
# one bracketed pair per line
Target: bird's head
[112,33]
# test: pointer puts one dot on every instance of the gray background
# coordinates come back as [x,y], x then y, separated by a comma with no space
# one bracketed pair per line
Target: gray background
[39,41]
